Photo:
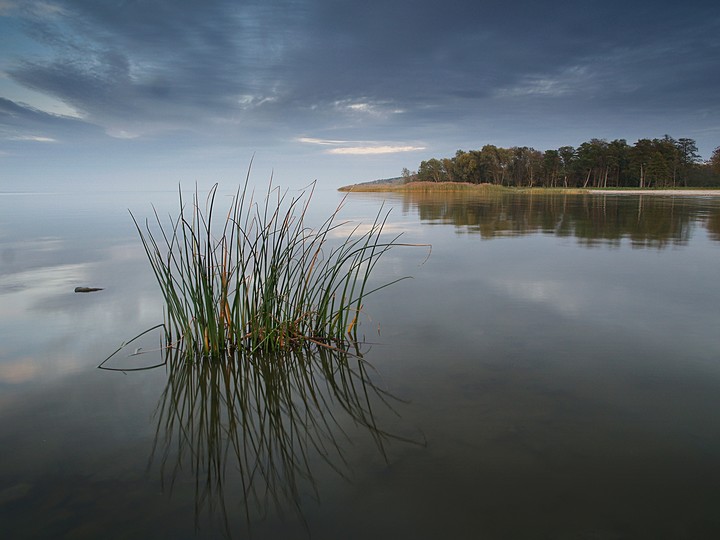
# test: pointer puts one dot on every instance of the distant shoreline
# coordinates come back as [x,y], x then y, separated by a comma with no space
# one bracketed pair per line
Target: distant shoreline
[394,186]
[693,192]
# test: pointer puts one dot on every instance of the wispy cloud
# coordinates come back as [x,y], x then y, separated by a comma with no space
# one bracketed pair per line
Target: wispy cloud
[367,108]
[33,138]
[322,142]
[360,148]
[119,133]
[571,80]
[368,150]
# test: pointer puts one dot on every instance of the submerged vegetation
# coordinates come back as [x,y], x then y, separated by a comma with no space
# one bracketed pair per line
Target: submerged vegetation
[263,281]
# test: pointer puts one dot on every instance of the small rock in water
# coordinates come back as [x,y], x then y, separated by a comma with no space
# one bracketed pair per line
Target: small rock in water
[87,289]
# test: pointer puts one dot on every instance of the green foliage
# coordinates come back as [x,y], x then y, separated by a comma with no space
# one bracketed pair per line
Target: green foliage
[715,161]
[263,281]
[597,163]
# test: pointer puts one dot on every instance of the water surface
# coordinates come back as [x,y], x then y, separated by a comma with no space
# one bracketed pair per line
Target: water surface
[556,361]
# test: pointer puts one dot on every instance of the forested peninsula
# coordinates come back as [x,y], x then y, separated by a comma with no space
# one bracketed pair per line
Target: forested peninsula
[649,163]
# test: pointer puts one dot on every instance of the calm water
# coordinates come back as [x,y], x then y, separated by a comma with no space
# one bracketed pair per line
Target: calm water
[552,370]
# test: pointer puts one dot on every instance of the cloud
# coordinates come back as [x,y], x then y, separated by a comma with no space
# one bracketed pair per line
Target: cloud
[33,138]
[322,142]
[117,133]
[368,148]
[366,107]
[140,65]
[247,101]
[572,80]
[20,121]
[150,67]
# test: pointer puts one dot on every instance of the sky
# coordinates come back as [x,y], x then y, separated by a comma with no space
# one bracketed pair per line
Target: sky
[123,94]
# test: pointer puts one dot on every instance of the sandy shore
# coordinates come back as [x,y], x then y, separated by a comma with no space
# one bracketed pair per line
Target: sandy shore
[380,186]
[693,192]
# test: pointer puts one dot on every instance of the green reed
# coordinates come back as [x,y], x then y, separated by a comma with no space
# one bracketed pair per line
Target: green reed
[262,280]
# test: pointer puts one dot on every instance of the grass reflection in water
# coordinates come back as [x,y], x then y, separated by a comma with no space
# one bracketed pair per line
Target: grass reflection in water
[263,420]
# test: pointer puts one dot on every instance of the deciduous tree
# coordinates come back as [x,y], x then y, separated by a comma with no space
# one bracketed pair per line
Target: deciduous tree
[715,161]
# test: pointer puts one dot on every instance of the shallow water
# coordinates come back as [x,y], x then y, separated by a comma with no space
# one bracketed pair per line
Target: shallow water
[556,361]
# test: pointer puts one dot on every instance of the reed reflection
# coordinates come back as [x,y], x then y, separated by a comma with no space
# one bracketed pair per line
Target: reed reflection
[259,423]
[647,221]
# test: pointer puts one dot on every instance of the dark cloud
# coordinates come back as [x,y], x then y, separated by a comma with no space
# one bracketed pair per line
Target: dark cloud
[208,55]
[269,70]
[20,120]
[162,61]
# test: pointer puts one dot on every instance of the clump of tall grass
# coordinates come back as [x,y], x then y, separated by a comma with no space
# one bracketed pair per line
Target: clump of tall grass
[262,280]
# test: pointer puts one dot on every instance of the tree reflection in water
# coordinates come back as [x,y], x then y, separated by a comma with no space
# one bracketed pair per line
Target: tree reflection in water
[264,420]
[645,220]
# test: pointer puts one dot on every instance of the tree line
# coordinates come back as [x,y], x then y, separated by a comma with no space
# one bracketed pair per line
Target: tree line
[649,163]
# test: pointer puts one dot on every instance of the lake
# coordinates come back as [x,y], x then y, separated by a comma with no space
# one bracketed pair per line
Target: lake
[551,370]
